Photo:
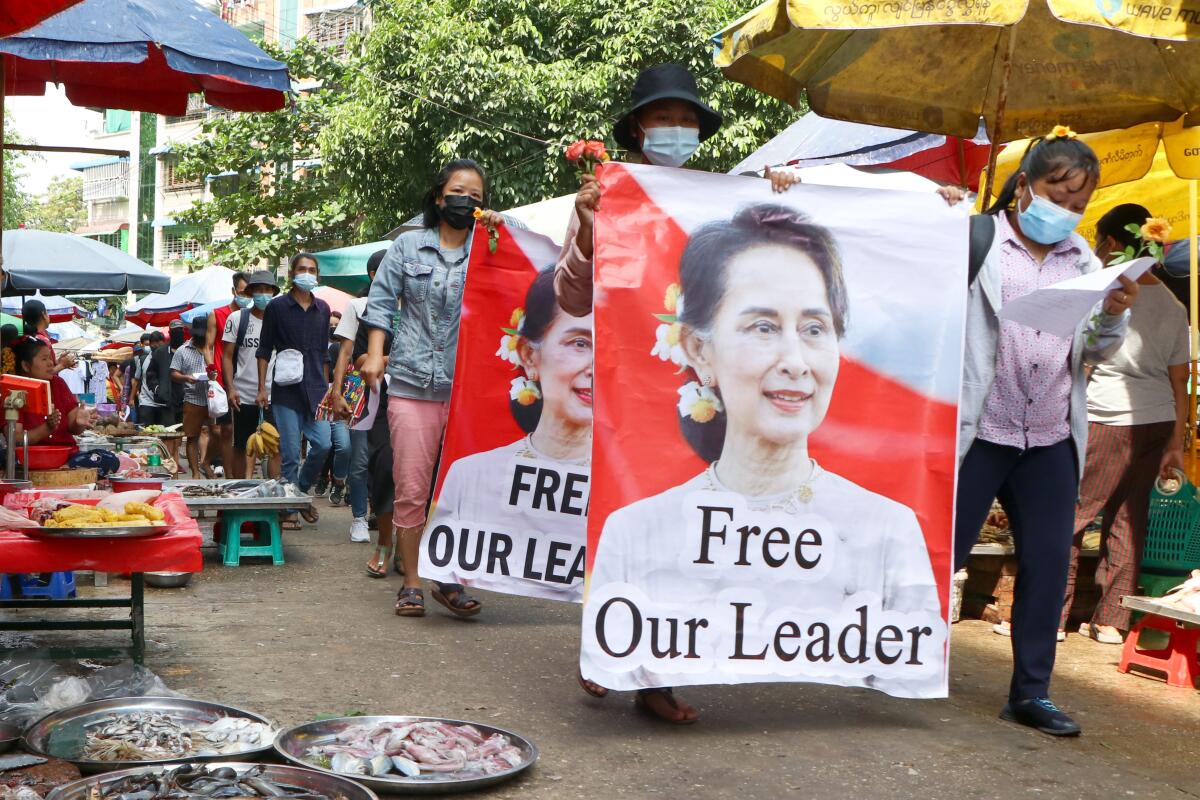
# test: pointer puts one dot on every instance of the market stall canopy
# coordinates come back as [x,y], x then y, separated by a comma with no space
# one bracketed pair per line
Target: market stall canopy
[59,308]
[813,140]
[209,285]
[143,55]
[940,67]
[1149,164]
[345,268]
[68,264]
[17,15]
[61,331]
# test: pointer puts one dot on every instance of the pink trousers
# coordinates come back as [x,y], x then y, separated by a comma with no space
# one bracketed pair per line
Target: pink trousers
[416,428]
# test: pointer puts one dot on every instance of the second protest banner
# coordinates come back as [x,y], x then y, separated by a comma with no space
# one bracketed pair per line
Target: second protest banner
[775,426]
[510,506]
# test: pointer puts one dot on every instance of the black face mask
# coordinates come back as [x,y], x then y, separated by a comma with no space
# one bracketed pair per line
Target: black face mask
[459,211]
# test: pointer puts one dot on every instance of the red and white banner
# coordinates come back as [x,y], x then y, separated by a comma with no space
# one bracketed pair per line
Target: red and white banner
[510,507]
[775,427]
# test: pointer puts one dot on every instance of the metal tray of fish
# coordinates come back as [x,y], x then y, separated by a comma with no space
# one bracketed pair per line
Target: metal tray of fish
[64,734]
[123,532]
[308,782]
[295,744]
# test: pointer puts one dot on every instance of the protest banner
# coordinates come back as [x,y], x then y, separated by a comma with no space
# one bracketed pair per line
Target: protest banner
[777,380]
[510,505]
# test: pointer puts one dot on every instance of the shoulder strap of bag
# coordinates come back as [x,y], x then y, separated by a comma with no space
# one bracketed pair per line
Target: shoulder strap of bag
[243,326]
[983,232]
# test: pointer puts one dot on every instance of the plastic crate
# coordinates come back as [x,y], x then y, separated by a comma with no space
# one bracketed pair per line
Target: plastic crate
[1173,539]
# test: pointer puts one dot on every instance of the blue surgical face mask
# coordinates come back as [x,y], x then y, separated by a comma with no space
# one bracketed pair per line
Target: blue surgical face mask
[669,147]
[261,300]
[1046,222]
[243,302]
[305,281]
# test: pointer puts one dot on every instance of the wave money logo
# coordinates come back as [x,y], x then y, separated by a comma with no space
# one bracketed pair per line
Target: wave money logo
[1108,8]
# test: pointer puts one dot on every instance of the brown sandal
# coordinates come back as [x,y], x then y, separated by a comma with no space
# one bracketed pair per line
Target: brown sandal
[592,688]
[377,566]
[640,702]
[463,605]
[410,602]
[310,515]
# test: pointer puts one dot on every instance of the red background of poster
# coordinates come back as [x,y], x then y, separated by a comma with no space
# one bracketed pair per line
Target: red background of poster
[879,433]
[480,417]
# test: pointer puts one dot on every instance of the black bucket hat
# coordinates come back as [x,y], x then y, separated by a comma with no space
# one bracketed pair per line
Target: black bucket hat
[664,82]
[262,277]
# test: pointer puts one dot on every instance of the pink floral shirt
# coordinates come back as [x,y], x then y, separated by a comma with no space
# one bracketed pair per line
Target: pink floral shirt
[1030,399]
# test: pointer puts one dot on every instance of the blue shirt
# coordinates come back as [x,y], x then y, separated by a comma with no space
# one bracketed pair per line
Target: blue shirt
[425,282]
[288,326]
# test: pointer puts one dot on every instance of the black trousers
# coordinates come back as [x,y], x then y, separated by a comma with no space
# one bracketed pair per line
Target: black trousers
[1038,488]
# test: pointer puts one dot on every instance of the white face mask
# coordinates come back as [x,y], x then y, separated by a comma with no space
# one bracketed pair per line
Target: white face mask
[669,147]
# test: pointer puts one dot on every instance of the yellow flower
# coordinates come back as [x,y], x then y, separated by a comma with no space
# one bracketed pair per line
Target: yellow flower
[672,297]
[1156,229]
[703,411]
[674,334]
[527,397]
[478,213]
[514,321]
[1061,132]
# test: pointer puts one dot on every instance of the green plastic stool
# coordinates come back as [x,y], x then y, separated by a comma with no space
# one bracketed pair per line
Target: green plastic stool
[267,541]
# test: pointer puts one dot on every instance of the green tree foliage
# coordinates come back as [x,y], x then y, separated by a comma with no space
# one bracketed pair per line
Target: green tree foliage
[16,201]
[61,208]
[555,70]
[276,204]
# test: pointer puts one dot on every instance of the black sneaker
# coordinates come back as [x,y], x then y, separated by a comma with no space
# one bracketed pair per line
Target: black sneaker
[337,493]
[1042,714]
[321,488]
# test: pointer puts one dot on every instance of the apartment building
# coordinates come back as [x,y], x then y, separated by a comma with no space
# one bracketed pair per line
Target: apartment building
[133,200]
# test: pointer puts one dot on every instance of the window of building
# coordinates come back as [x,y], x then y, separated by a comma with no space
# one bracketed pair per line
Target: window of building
[196,109]
[111,239]
[110,211]
[117,120]
[329,30]
[176,247]
[173,180]
[106,181]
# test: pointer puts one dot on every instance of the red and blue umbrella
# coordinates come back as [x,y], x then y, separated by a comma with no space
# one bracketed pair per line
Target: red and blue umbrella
[143,55]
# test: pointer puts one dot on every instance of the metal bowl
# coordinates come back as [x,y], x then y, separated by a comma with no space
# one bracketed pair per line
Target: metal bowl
[61,734]
[293,743]
[9,735]
[333,786]
[168,580]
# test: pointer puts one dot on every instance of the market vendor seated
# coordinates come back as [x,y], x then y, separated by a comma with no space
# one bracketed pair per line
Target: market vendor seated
[33,359]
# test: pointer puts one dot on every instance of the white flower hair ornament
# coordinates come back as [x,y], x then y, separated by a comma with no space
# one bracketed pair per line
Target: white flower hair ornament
[512,338]
[524,391]
[699,403]
[669,333]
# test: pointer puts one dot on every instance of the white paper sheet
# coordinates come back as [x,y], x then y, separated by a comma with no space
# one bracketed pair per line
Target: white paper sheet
[1059,309]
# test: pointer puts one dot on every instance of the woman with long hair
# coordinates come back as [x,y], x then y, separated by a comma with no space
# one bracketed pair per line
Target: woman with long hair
[417,295]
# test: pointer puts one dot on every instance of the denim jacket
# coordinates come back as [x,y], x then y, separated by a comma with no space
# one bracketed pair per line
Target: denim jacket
[417,296]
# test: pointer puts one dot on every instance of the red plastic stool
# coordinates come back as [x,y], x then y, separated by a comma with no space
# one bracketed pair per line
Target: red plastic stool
[1178,659]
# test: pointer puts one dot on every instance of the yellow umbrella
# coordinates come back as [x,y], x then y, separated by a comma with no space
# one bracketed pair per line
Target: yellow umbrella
[940,65]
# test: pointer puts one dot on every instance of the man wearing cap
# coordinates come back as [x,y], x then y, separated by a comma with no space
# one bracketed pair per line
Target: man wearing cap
[239,366]
[189,369]
[664,126]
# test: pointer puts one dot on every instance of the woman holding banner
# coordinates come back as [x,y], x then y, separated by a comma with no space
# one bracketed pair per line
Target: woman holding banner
[552,402]
[417,294]
[1023,412]
[764,307]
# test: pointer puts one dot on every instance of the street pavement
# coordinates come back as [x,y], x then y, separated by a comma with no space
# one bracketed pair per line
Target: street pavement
[317,636]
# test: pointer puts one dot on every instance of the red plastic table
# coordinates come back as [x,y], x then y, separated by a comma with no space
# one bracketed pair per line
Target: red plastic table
[175,551]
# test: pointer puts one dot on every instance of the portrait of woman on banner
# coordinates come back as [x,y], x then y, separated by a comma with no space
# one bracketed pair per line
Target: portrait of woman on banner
[550,399]
[755,327]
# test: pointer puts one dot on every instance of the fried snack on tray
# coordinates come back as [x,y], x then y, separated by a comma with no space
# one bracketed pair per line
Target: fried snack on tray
[77,516]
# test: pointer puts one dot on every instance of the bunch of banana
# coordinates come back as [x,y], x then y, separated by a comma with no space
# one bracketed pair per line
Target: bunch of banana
[263,442]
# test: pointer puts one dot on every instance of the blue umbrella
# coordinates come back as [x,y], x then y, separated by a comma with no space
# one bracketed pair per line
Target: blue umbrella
[143,55]
[63,263]
[202,311]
